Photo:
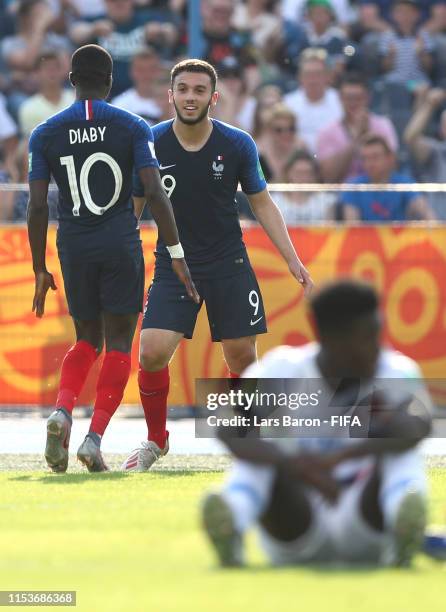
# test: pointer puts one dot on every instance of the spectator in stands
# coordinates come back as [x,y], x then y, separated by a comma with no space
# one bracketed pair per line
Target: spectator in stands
[235,105]
[294,10]
[314,103]
[382,9]
[259,18]
[51,98]
[323,32]
[339,144]
[123,31]
[266,97]
[220,38]
[299,206]
[161,97]
[8,167]
[407,50]
[145,69]
[430,153]
[383,206]
[20,51]
[278,142]
[86,8]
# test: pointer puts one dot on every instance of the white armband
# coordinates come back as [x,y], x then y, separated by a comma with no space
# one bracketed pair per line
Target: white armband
[176,251]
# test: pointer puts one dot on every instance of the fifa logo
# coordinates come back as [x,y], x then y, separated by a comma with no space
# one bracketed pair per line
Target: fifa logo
[218,167]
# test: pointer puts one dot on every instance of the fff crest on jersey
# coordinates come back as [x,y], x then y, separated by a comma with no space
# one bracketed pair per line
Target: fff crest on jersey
[218,167]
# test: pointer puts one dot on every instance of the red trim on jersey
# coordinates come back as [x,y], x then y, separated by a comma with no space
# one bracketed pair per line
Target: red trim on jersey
[88,109]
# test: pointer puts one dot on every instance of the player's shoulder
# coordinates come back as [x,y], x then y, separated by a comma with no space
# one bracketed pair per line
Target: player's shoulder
[235,135]
[284,362]
[67,114]
[393,364]
[159,129]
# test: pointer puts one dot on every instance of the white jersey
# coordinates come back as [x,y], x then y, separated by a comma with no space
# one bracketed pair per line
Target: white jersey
[396,374]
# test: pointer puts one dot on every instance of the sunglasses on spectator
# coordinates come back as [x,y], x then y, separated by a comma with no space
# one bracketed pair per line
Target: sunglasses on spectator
[281,129]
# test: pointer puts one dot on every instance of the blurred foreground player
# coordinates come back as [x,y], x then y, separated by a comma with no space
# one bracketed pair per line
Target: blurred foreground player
[91,149]
[202,161]
[332,499]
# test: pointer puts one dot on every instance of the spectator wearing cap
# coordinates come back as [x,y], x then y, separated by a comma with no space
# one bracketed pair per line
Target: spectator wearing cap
[407,50]
[315,104]
[429,152]
[124,31]
[51,98]
[294,10]
[339,144]
[145,70]
[279,140]
[323,32]
[383,206]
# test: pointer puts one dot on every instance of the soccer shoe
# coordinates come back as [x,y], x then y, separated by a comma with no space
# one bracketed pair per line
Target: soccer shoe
[142,459]
[90,455]
[58,429]
[219,525]
[409,528]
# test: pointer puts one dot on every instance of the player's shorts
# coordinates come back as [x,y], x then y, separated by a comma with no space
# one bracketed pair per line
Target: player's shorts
[115,286]
[234,303]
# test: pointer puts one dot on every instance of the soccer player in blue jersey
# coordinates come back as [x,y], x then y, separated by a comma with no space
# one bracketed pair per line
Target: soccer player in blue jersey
[202,162]
[91,149]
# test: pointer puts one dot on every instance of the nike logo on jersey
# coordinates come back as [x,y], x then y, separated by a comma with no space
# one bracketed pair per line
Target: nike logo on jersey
[165,167]
[256,321]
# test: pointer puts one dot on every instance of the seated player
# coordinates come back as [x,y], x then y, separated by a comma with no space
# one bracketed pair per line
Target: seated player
[332,499]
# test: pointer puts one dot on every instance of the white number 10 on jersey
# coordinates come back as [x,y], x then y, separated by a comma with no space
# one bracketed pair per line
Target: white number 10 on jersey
[68,161]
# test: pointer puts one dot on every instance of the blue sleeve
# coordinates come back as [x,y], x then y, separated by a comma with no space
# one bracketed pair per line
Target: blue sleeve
[408,195]
[38,167]
[251,176]
[352,197]
[143,146]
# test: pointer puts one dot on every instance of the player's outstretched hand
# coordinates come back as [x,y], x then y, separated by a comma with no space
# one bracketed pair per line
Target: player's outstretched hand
[299,271]
[182,271]
[44,281]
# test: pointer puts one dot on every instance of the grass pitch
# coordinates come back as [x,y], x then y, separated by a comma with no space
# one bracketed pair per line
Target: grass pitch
[132,542]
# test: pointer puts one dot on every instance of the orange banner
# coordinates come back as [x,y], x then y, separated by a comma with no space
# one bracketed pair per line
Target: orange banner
[407,265]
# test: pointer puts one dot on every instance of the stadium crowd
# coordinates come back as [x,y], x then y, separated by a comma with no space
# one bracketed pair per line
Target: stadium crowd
[331,90]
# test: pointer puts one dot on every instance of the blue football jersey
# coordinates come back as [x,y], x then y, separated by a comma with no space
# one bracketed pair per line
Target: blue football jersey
[91,149]
[202,186]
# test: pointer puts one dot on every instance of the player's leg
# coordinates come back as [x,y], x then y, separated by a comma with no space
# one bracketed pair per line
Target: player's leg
[170,315]
[236,315]
[239,353]
[80,287]
[113,378]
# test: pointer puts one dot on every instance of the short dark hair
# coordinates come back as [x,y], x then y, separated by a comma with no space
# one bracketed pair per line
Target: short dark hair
[46,56]
[303,155]
[353,78]
[90,65]
[194,65]
[338,305]
[376,139]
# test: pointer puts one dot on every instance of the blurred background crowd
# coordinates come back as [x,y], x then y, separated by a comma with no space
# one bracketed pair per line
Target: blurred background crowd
[332,90]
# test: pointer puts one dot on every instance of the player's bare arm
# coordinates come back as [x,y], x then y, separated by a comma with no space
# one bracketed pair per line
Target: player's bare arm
[270,218]
[162,212]
[138,206]
[37,219]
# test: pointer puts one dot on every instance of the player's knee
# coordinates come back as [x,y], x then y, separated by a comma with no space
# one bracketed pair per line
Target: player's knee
[238,359]
[153,359]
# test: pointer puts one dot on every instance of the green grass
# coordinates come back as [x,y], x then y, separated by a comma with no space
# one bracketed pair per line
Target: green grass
[133,543]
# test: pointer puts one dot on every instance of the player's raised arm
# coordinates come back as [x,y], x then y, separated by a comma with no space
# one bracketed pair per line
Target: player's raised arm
[37,218]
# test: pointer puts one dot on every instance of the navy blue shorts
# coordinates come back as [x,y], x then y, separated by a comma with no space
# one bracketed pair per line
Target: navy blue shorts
[234,304]
[115,285]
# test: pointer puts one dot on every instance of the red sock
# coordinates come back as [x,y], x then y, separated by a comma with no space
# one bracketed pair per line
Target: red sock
[112,380]
[75,367]
[232,375]
[153,390]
